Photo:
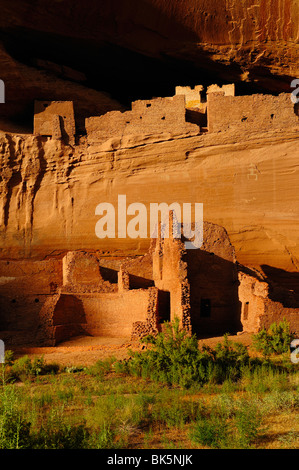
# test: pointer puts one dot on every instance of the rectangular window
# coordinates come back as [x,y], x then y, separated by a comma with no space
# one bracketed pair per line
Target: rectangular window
[205,308]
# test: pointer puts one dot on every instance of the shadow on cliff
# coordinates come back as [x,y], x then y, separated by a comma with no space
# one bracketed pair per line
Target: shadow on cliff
[284,286]
[214,300]
[151,57]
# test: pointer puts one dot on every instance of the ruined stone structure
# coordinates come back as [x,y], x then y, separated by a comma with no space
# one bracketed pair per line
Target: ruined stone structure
[248,113]
[55,119]
[80,295]
[160,115]
[196,102]
[58,280]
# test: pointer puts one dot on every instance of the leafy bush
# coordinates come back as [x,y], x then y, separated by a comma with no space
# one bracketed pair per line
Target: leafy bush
[173,357]
[101,368]
[176,413]
[275,340]
[24,368]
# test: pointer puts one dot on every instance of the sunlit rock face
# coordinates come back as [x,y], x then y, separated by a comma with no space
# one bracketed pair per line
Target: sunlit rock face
[240,160]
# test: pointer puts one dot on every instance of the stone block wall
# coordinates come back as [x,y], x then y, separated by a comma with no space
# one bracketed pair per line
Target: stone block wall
[258,310]
[55,119]
[250,113]
[160,115]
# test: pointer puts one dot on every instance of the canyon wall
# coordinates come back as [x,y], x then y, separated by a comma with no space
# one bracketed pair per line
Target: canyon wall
[49,191]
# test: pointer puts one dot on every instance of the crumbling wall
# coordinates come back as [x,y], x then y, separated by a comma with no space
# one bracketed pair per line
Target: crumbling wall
[81,273]
[258,310]
[25,287]
[252,294]
[114,314]
[193,98]
[55,119]
[250,113]
[170,274]
[228,90]
[196,105]
[146,117]
[276,312]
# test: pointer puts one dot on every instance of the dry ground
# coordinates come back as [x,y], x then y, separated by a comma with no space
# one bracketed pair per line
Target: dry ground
[86,350]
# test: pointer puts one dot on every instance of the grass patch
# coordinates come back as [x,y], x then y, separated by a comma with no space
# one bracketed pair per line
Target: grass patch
[172,395]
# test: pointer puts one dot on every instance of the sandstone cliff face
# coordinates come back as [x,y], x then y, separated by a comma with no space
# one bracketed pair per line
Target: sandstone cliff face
[49,191]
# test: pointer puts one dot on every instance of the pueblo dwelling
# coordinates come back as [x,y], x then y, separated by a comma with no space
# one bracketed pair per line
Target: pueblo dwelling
[188,112]
[46,301]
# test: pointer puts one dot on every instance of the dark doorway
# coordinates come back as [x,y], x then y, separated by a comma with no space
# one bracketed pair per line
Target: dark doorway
[163,306]
[205,308]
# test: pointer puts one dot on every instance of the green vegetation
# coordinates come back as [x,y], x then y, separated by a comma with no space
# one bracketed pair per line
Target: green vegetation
[171,395]
[275,340]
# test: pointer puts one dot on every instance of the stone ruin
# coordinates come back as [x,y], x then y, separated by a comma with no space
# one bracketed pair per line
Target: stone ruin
[55,119]
[46,302]
[190,111]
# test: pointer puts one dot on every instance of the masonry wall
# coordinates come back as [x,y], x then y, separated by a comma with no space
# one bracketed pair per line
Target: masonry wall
[258,311]
[250,113]
[252,295]
[276,312]
[146,117]
[82,273]
[170,275]
[193,97]
[55,119]
[24,288]
[114,314]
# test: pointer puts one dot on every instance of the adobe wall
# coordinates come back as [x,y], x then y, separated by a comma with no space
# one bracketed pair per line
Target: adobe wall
[55,119]
[114,314]
[155,116]
[276,312]
[258,311]
[82,273]
[25,287]
[228,90]
[193,97]
[252,294]
[170,275]
[250,113]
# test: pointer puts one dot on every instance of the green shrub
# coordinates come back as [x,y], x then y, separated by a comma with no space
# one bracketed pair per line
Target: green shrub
[102,438]
[275,340]
[212,432]
[174,358]
[24,368]
[101,368]
[177,412]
